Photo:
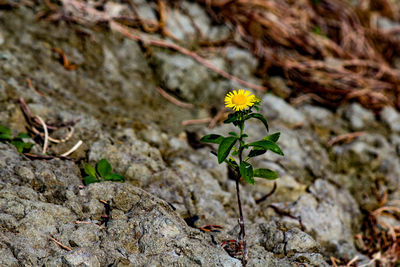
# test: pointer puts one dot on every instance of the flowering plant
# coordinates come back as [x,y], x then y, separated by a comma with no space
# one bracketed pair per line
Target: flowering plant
[243,102]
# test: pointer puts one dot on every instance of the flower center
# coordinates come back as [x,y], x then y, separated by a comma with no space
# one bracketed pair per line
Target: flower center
[239,100]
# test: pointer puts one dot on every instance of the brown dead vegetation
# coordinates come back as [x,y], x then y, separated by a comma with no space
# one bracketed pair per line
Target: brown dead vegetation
[327,48]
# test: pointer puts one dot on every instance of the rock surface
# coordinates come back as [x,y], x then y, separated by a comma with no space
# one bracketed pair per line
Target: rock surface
[171,188]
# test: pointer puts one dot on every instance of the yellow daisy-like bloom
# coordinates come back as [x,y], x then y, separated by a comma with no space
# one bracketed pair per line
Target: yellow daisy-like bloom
[239,100]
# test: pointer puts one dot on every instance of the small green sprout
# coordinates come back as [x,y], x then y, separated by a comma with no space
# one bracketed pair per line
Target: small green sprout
[17,141]
[101,173]
[234,145]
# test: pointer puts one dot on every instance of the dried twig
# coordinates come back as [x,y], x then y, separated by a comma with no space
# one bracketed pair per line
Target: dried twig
[211,228]
[75,147]
[82,222]
[46,134]
[221,113]
[258,201]
[33,121]
[29,81]
[333,260]
[345,138]
[174,100]
[51,139]
[352,261]
[65,60]
[128,33]
[198,121]
[287,213]
[280,34]
[60,244]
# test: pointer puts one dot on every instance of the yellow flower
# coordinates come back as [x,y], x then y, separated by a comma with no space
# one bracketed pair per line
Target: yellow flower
[239,100]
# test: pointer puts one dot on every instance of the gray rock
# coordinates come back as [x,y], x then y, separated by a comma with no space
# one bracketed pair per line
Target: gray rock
[371,157]
[329,222]
[80,257]
[272,244]
[324,121]
[186,78]
[141,225]
[359,117]
[391,117]
[274,107]
[180,25]
[299,242]
[242,62]
[146,10]
[125,119]
[199,17]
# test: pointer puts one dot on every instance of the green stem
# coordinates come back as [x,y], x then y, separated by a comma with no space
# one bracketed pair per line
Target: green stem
[242,234]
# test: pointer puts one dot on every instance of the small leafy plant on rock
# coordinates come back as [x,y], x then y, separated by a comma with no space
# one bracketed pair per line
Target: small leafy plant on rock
[233,149]
[17,141]
[101,173]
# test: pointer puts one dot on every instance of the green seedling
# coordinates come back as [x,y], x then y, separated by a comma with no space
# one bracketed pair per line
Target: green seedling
[17,141]
[101,173]
[236,153]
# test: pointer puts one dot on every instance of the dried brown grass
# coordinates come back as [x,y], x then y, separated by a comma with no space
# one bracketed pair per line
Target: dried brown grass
[327,48]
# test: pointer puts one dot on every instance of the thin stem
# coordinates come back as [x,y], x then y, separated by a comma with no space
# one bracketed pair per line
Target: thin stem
[242,234]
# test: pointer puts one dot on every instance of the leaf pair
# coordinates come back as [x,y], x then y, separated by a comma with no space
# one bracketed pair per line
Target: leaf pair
[267,143]
[103,172]
[248,173]
[225,144]
[234,117]
[17,141]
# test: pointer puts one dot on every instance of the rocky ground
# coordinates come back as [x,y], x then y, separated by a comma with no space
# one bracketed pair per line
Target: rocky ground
[323,194]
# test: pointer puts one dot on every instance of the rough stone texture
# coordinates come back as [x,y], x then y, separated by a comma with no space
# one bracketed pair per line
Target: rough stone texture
[142,229]
[125,120]
[186,78]
[359,117]
[294,245]
[277,108]
[391,117]
[325,219]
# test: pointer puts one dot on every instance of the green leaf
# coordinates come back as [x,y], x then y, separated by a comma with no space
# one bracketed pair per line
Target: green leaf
[234,134]
[232,117]
[103,168]
[225,148]
[19,145]
[212,138]
[89,170]
[273,137]
[269,145]
[27,146]
[5,136]
[259,117]
[114,177]
[266,174]
[256,152]
[5,130]
[22,136]
[90,180]
[246,171]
